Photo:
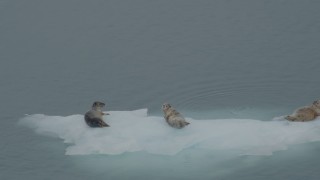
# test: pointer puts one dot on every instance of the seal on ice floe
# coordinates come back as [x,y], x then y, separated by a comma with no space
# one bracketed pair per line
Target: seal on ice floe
[93,117]
[173,117]
[307,113]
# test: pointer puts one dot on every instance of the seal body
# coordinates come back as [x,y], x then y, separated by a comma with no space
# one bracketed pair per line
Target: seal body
[93,117]
[173,117]
[307,113]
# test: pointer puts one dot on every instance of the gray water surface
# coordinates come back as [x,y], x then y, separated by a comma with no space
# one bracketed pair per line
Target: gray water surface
[209,58]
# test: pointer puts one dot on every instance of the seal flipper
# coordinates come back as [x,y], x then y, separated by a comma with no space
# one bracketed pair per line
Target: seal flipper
[95,122]
[103,124]
[185,124]
[290,118]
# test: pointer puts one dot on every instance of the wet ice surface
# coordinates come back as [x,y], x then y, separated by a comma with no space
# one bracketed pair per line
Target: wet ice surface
[134,131]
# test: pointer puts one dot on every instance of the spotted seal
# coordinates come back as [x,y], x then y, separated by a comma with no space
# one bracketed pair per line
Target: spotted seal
[173,117]
[94,118]
[307,113]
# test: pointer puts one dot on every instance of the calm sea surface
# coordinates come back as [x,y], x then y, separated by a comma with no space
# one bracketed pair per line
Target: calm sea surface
[211,59]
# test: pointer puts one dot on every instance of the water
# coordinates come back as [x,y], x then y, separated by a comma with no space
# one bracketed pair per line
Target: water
[213,60]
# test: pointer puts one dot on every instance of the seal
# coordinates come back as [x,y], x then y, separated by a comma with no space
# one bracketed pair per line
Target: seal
[173,117]
[93,117]
[307,113]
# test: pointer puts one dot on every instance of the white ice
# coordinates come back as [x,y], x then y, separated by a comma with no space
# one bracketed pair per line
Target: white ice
[133,131]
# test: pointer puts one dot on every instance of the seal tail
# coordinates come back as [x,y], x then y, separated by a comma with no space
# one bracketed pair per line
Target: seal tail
[95,122]
[183,124]
[290,118]
[103,124]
